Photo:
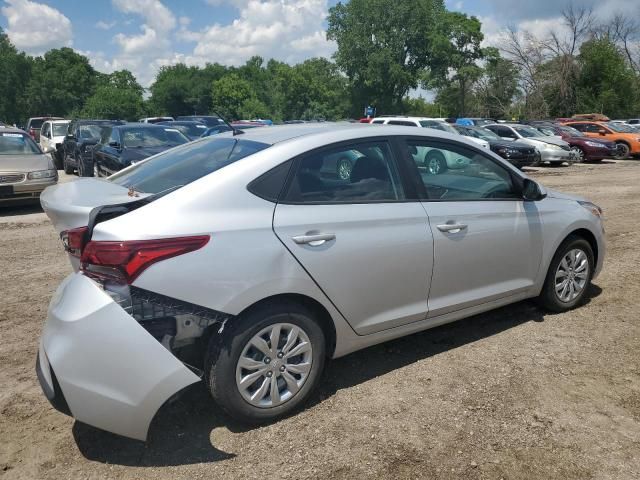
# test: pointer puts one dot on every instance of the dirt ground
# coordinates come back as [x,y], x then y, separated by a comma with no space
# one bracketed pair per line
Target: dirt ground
[514,393]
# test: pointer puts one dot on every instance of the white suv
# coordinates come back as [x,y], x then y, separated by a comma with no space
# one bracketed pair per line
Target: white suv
[52,135]
[435,160]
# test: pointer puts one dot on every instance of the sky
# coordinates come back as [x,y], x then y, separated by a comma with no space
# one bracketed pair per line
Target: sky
[143,35]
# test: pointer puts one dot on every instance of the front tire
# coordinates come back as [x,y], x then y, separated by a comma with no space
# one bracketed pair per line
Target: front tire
[267,363]
[68,169]
[569,275]
[623,151]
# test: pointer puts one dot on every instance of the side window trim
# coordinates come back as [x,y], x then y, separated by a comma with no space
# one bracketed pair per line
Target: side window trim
[297,160]
[446,145]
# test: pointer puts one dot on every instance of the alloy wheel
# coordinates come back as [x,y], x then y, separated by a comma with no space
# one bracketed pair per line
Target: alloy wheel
[571,275]
[622,151]
[344,169]
[274,365]
[577,154]
[434,166]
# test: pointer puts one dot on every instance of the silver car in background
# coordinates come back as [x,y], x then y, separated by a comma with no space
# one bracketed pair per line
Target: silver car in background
[552,150]
[25,171]
[245,262]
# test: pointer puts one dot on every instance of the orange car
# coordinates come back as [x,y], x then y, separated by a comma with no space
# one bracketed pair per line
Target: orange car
[626,137]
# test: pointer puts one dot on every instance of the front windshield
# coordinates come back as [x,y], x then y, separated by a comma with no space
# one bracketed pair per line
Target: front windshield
[547,131]
[182,165]
[620,127]
[142,137]
[572,132]
[60,129]
[528,132]
[17,144]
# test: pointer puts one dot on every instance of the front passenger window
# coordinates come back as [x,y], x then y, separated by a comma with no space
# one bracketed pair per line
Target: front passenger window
[451,172]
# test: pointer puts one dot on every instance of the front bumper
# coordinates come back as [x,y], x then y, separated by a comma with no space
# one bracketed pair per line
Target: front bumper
[25,190]
[98,360]
[556,156]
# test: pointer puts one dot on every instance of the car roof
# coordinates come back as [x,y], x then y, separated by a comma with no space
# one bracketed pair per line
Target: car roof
[139,125]
[13,130]
[335,132]
[59,121]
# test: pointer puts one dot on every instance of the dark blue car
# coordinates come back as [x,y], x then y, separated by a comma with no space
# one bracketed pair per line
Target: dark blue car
[123,145]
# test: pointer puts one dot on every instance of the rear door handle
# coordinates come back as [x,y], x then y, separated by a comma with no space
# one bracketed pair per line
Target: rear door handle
[314,240]
[452,227]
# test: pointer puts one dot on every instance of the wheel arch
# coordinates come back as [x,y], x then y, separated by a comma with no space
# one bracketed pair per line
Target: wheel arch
[322,314]
[589,237]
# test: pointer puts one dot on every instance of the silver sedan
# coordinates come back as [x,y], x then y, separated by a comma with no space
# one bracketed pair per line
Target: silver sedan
[25,171]
[246,261]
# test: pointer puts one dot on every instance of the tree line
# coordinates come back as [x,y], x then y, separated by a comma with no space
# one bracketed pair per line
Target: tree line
[385,52]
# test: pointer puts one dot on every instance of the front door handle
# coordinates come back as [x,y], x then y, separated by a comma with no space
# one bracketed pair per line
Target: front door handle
[452,227]
[315,239]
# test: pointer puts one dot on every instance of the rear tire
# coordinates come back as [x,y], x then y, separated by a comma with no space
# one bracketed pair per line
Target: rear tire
[563,272]
[67,168]
[435,163]
[223,370]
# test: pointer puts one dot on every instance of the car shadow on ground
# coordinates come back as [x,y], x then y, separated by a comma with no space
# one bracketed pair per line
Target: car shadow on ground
[20,209]
[180,433]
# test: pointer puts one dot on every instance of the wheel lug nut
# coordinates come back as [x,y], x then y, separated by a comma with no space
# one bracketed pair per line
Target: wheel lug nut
[269,374]
[267,360]
[280,354]
[282,368]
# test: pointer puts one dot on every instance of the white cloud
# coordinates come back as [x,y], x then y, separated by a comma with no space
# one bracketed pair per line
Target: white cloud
[102,25]
[35,27]
[288,30]
[155,14]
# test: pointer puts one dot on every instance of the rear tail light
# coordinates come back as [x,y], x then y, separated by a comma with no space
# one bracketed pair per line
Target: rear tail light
[123,262]
[74,240]
[32,132]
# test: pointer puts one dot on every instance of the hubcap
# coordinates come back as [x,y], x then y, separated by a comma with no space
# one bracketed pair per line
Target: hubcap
[578,154]
[433,166]
[274,365]
[344,169]
[571,275]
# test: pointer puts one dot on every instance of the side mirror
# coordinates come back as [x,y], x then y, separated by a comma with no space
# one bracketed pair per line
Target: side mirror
[602,132]
[532,191]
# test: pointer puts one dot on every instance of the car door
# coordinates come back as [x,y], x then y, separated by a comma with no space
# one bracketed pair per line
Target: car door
[487,239]
[45,141]
[363,242]
[110,151]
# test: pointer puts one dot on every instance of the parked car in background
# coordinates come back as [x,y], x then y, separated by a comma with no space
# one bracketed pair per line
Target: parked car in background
[208,120]
[189,129]
[478,122]
[124,145]
[584,148]
[82,136]
[34,124]
[155,119]
[25,170]
[447,127]
[552,150]
[633,121]
[223,127]
[233,253]
[625,137]
[52,136]
[517,154]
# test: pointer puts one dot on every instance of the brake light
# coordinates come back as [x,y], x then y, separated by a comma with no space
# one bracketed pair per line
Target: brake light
[74,240]
[124,261]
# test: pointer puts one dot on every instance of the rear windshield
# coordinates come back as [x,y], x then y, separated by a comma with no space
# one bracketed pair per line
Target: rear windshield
[36,123]
[183,165]
[90,131]
[17,144]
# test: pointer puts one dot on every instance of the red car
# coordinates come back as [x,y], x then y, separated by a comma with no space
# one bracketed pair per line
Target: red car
[584,148]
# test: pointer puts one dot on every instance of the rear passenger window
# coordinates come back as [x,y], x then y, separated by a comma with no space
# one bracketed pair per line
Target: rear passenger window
[270,184]
[357,173]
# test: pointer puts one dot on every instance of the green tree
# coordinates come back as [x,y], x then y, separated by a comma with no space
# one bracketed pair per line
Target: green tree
[182,90]
[496,89]
[384,47]
[606,83]
[457,48]
[60,83]
[15,71]
[119,96]
[234,98]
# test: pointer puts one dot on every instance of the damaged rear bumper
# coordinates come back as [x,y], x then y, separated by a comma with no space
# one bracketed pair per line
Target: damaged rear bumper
[97,362]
